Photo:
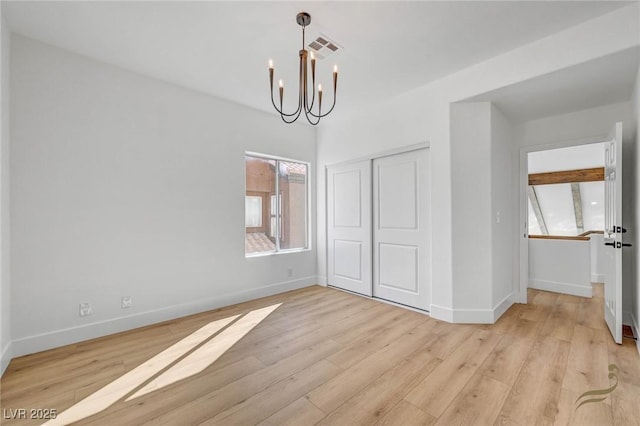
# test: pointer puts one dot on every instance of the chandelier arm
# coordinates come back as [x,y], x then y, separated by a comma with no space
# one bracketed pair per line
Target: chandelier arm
[297,114]
[307,115]
[326,113]
[281,112]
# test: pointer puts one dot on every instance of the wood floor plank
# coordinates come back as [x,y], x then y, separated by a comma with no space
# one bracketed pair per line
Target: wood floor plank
[479,402]
[437,390]
[332,394]
[299,412]
[588,363]
[406,414]
[561,321]
[447,342]
[370,343]
[377,399]
[507,358]
[534,396]
[277,396]
[138,410]
[219,399]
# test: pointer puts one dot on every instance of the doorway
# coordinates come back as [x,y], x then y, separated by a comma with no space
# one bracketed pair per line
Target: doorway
[612,232]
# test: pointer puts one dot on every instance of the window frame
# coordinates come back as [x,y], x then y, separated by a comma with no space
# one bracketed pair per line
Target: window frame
[307,204]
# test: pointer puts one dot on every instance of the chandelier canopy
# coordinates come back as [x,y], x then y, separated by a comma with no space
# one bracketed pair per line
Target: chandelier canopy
[305,102]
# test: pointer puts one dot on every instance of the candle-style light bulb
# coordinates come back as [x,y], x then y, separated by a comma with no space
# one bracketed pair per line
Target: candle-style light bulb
[319,87]
[312,57]
[281,84]
[335,79]
[271,75]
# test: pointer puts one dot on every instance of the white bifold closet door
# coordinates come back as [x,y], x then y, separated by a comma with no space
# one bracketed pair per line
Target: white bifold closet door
[401,229]
[378,228]
[349,226]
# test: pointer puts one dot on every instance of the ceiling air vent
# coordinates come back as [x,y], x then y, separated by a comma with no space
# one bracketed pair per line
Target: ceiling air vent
[322,46]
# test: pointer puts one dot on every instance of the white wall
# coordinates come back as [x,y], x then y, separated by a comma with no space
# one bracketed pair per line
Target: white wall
[573,126]
[481,153]
[561,266]
[122,185]
[503,244]
[5,288]
[597,258]
[423,114]
[471,156]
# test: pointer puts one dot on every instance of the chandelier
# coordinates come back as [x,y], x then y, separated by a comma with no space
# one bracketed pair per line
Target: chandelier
[305,102]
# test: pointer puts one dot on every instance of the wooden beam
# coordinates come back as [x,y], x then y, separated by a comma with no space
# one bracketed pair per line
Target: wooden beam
[568,176]
[577,206]
[533,197]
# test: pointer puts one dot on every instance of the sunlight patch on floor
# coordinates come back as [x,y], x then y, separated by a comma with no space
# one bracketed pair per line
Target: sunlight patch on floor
[194,363]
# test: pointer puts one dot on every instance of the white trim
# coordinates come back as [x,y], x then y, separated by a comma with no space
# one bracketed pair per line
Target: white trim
[597,278]
[502,307]
[441,313]
[386,153]
[41,342]
[566,288]
[472,316]
[321,280]
[5,358]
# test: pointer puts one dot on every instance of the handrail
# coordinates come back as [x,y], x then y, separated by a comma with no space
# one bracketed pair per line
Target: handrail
[584,234]
[560,237]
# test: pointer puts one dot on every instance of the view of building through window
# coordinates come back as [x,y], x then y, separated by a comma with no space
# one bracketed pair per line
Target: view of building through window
[276,203]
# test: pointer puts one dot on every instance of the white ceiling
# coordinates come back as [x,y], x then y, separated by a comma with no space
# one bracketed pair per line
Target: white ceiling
[222,48]
[602,81]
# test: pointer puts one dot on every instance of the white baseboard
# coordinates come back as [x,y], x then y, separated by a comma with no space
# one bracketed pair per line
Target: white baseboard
[502,307]
[472,316]
[597,278]
[441,313]
[566,288]
[41,342]
[5,358]
[322,280]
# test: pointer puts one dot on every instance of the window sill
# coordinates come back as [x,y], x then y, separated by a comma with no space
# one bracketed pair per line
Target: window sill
[275,253]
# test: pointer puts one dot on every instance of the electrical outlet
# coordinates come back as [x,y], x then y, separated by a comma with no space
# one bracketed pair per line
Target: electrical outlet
[290,272]
[127,302]
[85,309]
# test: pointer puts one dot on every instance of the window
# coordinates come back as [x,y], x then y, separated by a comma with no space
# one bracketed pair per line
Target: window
[252,211]
[276,205]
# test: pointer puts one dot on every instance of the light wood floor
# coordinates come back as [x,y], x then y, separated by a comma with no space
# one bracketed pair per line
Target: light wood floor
[328,357]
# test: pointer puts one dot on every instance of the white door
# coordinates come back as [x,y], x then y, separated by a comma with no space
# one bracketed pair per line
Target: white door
[613,233]
[349,226]
[401,255]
